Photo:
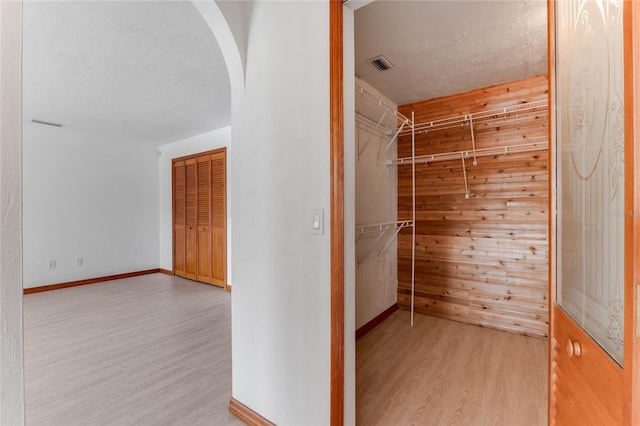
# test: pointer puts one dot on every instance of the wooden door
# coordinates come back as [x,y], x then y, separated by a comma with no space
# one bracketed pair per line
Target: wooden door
[204,255]
[219,218]
[191,219]
[592,263]
[179,218]
[199,217]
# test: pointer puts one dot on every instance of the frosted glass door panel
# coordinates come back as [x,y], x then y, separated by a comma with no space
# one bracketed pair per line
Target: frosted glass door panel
[590,161]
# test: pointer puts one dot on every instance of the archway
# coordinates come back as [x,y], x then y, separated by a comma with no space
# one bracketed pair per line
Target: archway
[11,344]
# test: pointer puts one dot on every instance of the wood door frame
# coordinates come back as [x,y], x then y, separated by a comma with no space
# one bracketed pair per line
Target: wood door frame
[631,18]
[336,153]
[631,40]
[551,74]
[222,150]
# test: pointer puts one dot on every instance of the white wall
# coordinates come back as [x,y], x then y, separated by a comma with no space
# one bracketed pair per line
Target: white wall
[238,17]
[11,377]
[376,202]
[200,143]
[279,171]
[87,197]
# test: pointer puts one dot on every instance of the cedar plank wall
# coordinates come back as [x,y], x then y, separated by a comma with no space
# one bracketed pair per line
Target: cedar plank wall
[484,260]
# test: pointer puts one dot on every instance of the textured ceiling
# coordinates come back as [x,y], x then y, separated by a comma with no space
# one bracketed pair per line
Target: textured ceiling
[440,48]
[139,71]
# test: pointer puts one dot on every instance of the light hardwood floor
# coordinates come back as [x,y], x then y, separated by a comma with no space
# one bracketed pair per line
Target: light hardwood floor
[442,372]
[149,350]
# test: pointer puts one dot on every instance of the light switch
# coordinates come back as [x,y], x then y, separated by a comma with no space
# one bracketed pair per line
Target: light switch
[317,221]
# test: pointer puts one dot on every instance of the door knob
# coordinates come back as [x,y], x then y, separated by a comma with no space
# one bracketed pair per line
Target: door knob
[573,348]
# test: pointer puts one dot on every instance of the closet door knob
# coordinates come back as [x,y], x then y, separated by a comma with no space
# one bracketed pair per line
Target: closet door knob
[573,348]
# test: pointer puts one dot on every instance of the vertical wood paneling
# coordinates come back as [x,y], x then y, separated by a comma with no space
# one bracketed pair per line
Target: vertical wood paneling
[482,260]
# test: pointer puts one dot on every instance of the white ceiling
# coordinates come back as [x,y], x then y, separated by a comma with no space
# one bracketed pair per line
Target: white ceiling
[138,71]
[440,48]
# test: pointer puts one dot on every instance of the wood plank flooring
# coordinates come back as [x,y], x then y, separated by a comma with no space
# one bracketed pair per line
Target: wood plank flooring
[442,372]
[149,350]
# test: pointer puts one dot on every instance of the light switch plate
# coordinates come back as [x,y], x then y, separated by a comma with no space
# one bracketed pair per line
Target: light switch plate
[317,221]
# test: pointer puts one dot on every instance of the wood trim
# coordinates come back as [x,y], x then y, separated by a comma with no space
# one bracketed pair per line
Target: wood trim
[227,287]
[551,73]
[173,215]
[89,281]
[166,271]
[631,17]
[246,414]
[336,152]
[376,321]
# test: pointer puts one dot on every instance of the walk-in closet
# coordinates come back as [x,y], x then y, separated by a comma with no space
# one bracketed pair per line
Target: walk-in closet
[452,216]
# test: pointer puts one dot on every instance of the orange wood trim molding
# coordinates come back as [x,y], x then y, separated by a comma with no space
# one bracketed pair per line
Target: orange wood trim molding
[246,414]
[551,55]
[336,150]
[376,321]
[166,271]
[88,281]
[228,287]
[631,34]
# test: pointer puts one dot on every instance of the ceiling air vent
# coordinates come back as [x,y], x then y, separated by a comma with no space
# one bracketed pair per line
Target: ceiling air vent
[381,63]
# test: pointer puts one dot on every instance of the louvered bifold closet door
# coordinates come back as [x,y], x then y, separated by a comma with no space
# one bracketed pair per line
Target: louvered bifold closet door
[218,218]
[179,217]
[204,219]
[191,214]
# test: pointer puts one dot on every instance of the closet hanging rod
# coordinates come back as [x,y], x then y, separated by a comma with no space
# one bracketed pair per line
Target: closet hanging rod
[480,116]
[484,152]
[381,104]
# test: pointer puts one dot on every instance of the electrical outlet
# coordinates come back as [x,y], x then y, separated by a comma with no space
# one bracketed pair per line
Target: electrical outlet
[52,264]
[78,261]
